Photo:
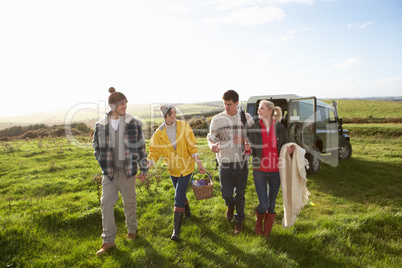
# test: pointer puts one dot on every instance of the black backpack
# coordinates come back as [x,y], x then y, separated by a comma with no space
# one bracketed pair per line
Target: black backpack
[243,118]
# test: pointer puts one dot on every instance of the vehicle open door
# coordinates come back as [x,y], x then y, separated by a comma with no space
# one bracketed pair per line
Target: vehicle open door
[302,121]
[302,129]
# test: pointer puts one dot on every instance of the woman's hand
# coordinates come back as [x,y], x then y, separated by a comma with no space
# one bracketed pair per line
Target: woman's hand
[247,147]
[201,169]
[199,164]
[291,149]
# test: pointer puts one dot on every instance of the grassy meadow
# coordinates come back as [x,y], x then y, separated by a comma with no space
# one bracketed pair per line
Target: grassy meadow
[368,108]
[50,212]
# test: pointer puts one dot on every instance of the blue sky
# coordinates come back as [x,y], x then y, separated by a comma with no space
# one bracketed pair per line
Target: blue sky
[57,54]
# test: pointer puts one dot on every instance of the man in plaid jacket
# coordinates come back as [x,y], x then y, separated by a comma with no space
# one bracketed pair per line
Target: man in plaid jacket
[119,148]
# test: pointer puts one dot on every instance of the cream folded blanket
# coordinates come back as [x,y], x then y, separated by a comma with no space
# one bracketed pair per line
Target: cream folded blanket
[293,183]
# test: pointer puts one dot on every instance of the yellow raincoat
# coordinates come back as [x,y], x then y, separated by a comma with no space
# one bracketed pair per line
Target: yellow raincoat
[180,161]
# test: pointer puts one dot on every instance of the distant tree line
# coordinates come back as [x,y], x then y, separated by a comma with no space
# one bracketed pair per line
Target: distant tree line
[17,131]
[198,121]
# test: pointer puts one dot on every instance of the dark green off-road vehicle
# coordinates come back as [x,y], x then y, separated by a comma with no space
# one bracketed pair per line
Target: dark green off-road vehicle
[314,125]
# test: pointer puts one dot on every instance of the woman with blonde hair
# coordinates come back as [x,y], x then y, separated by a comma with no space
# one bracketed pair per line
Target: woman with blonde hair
[267,136]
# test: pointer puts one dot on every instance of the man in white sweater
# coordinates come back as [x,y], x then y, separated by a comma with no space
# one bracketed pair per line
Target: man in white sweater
[227,138]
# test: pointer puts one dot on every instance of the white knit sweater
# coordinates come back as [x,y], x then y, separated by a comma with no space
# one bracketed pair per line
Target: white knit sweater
[223,128]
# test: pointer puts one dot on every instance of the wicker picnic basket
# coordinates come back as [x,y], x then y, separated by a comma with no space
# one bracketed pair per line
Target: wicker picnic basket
[202,192]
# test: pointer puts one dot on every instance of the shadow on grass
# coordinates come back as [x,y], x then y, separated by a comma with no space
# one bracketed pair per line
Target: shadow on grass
[305,251]
[360,181]
[83,225]
[138,253]
[233,255]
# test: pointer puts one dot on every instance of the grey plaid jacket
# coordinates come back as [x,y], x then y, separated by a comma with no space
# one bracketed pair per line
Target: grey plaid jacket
[134,147]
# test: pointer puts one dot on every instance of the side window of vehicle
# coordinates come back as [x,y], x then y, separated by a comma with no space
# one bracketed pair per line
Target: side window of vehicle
[251,110]
[322,116]
[332,117]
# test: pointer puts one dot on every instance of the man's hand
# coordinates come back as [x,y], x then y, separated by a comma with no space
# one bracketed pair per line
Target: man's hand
[215,147]
[142,177]
[238,139]
[150,163]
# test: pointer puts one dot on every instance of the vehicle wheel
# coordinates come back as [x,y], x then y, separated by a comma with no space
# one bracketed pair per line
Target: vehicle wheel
[314,161]
[345,151]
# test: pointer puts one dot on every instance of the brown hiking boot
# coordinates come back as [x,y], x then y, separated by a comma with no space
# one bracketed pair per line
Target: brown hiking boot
[238,227]
[131,236]
[105,247]
[229,213]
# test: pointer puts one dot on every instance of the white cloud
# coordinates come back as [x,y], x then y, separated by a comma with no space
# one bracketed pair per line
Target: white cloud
[365,25]
[292,62]
[249,13]
[307,2]
[359,26]
[387,86]
[351,62]
[391,84]
[263,57]
[397,79]
[179,10]
[222,5]
[248,17]
[289,36]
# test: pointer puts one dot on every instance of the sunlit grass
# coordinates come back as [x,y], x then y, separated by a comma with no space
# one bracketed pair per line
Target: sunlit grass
[50,214]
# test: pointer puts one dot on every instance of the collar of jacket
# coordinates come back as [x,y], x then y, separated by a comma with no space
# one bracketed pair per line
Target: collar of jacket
[162,126]
[105,120]
[164,135]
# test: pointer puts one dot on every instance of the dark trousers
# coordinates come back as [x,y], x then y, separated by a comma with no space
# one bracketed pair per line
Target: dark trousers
[233,179]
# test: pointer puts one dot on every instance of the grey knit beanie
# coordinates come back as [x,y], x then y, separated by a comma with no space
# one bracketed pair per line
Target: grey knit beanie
[165,108]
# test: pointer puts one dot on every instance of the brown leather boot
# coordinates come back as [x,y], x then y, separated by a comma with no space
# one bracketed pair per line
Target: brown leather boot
[269,222]
[105,247]
[131,236]
[229,213]
[258,223]
[238,228]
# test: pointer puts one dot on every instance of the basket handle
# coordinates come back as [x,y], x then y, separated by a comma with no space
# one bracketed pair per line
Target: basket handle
[206,172]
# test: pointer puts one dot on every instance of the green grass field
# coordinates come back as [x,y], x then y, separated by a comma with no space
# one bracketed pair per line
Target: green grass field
[368,108]
[50,213]
[382,131]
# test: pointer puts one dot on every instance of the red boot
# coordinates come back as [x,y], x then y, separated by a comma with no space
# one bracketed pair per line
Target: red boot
[258,223]
[269,222]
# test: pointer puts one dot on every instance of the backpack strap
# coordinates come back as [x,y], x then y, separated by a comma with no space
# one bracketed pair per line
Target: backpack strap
[243,118]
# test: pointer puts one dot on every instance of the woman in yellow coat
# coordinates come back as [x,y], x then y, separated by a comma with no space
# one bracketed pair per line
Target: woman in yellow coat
[174,140]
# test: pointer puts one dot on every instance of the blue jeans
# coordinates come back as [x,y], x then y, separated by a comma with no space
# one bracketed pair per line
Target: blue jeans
[233,179]
[180,185]
[261,180]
